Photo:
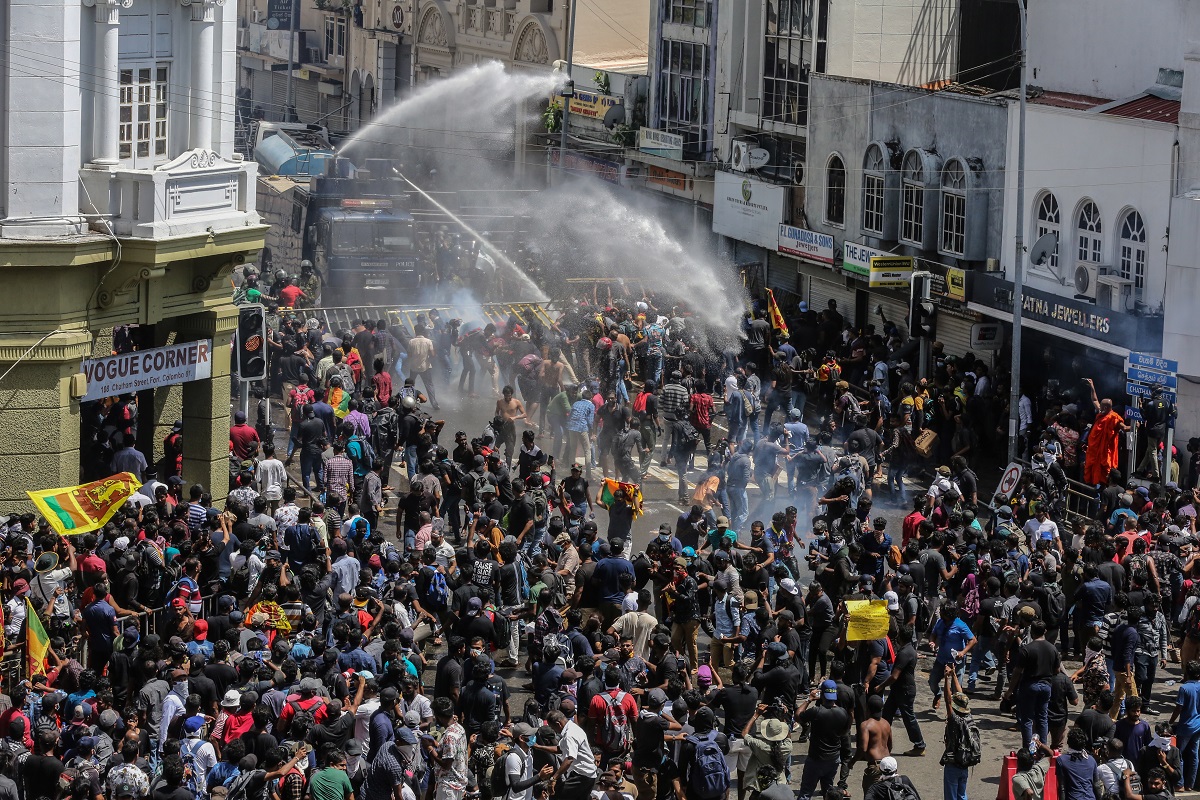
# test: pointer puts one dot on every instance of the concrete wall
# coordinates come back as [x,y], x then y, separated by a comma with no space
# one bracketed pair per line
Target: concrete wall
[1118,163]
[902,41]
[848,115]
[1105,48]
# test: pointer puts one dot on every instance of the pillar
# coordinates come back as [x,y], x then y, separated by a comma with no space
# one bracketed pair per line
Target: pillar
[202,110]
[206,404]
[40,435]
[107,94]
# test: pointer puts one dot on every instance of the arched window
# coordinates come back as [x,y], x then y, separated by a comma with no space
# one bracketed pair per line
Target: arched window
[1133,249]
[1088,230]
[835,191]
[1049,220]
[873,169]
[912,200]
[954,208]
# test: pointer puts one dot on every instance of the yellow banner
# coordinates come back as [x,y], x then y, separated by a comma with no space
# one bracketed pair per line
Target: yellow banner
[868,620]
[73,510]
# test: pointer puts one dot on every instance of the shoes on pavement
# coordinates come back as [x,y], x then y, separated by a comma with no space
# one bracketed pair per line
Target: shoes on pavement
[916,752]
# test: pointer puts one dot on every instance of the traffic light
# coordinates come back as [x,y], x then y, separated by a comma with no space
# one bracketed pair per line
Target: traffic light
[252,343]
[922,312]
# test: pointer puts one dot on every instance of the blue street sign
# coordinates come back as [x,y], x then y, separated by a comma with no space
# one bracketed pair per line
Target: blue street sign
[1132,413]
[1153,362]
[1152,378]
[1139,390]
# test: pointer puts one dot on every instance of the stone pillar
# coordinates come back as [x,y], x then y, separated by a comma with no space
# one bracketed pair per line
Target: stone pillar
[40,435]
[107,94]
[203,99]
[206,403]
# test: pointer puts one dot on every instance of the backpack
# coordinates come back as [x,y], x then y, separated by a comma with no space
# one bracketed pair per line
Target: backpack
[967,751]
[752,401]
[500,623]
[437,596]
[499,777]
[528,362]
[385,430]
[366,456]
[616,733]
[239,789]
[541,507]
[922,613]
[894,556]
[479,482]
[188,756]
[709,775]
[1192,629]
[1138,572]
[239,580]
[1006,571]
[639,402]
[686,433]
[1056,605]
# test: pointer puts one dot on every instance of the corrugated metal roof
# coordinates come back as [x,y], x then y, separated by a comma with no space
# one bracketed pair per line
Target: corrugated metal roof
[1078,102]
[1148,107]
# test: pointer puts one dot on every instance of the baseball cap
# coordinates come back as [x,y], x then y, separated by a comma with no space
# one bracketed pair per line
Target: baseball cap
[789,585]
[722,522]
[704,674]
[200,630]
[412,718]
[888,766]
[828,689]
[893,601]
[656,698]
[474,605]
[751,601]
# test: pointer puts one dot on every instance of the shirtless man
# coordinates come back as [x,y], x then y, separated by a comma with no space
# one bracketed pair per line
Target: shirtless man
[510,410]
[550,383]
[874,741]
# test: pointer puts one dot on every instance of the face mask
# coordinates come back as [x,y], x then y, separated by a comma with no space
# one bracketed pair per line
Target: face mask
[529,740]
[476,653]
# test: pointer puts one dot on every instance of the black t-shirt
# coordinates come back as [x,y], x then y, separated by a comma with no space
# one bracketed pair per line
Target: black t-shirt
[447,677]
[478,625]
[648,732]
[778,683]
[177,793]
[477,704]
[509,593]
[739,703]
[906,662]
[868,652]
[1062,692]
[222,675]
[40,774]
[664,669]
[1039,661]
[1096,724]
[828,725]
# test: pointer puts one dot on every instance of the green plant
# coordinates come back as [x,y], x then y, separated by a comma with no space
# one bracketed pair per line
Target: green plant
[603,82]
[322,5]
[552,116]
[624,135]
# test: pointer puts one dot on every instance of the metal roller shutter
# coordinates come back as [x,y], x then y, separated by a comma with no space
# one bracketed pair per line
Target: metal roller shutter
[955,333]
[279,93]
[895,310]
[821,292]
[783,276]
[262,92]
[308,100]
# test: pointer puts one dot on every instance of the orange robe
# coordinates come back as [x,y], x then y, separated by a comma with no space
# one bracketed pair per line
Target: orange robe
[1103,448]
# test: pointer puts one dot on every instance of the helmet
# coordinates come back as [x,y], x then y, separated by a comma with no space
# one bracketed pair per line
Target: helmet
[249,270]
[604,343]
[305,265]
[280,274]
[409,402]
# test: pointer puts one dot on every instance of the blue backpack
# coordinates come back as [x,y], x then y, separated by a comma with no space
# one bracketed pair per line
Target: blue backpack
[710,775]
[437,596]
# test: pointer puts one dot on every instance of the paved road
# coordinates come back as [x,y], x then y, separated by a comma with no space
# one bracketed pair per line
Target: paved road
[999,732]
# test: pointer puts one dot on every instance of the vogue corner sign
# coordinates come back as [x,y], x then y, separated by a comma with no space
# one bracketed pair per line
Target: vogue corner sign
[148,369]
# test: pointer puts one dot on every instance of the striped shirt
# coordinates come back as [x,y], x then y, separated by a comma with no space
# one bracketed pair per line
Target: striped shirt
[583,416]
[674,401]
[339,475]
[196,514]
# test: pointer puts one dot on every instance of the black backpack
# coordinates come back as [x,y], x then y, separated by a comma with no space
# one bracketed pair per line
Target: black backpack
[1056,605]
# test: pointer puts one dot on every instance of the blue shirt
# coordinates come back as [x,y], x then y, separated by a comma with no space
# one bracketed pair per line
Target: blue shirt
[583,416]
[954,637]
[1189,708]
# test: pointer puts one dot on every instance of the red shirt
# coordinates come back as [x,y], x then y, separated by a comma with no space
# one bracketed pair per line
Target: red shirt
[244,440]
[314,704]
[383,387]
[910,525]
[288,295]
[9,715]
[598,710]
[702,408]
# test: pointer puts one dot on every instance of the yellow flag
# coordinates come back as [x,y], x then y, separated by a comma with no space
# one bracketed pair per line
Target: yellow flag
[774,315]
[868,620]
[36,642]
[72,510]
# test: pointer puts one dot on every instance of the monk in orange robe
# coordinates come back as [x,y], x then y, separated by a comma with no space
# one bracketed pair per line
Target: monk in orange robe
[1104,442]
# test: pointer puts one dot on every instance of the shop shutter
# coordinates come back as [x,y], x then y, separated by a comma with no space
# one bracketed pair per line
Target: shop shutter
[784,278]
[308,99]
[820,292]
[262,93]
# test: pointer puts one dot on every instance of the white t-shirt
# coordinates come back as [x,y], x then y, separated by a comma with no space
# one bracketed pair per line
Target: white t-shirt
[519,767]
[362,719]
[573,743]
[1036,530]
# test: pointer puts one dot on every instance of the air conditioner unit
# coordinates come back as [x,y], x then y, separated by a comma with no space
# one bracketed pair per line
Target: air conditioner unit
[740,158]
[255,15]
[312,55]
[1084,280]
[243,38]
[1114,293]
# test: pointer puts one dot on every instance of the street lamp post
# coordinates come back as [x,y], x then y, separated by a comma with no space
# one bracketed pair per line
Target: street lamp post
[568,91]
[1014,397]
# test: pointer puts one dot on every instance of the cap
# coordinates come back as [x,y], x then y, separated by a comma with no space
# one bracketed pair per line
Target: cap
[273,555]
[893,601]
[888,766]
[389,695]
[789,585]
[944,471]
[374,561]
[239,417]
[750,603]
[656,698]
[828,689]
[20,586]
[777,649]
[704,674]
[722,522]
[109,718]
[200,630]
[412,718]
[474,605]
[523,729]
[1004,511]
[795,413]
[121,543]
[193,724]
[354,747]
[961,703]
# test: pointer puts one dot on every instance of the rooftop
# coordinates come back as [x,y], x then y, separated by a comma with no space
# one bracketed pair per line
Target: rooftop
[1148,107]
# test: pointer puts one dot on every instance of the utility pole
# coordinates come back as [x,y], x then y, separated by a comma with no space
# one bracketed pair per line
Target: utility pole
[568,91]
[1014,394]
[289,110]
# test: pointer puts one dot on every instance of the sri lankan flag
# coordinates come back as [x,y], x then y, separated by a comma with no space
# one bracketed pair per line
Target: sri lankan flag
[608,494]
[774,315]
[37,643]
[79,509]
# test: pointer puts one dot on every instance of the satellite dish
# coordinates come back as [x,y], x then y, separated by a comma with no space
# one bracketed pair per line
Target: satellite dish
[615,116]
[758,157]
[1043,248]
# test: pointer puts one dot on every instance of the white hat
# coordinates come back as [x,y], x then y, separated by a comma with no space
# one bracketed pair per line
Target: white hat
[893,601]
[122,543]
[788,585]
[888,766]
[232,699]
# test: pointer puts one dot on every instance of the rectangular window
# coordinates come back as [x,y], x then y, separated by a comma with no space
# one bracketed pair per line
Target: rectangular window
[683,103]
[696,13]
[787,61]
[335,36]
[873,204]
[142,128]
[954,223]
[912,213]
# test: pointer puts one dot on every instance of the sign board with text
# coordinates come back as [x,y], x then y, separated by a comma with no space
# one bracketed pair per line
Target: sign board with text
[806,244]
[891,272]
[147,369]
[279,13]
[748,210]
[592,105]
[660,143]
[1152,378]
[856,258]
[1141,390]
[1147,361]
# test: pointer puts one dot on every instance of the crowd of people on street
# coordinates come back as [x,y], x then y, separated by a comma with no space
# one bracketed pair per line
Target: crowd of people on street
[332,636]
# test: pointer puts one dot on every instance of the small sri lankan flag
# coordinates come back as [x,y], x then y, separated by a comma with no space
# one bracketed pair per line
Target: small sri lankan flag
[608,494]
[774,314]
[37,643]
[73,510]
